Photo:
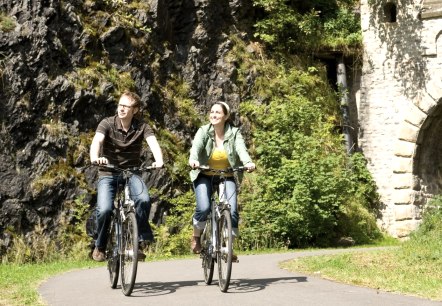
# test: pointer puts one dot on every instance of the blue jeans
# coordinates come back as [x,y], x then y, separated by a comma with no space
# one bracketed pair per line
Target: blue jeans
[107,189]
[203,191]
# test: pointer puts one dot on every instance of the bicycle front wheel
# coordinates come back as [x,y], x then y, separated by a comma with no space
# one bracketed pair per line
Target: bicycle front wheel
[113,259]
[129,253]
[225,250]
[207,251]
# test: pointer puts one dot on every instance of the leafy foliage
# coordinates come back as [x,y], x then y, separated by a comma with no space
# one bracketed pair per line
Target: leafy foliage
[308,190]
[173,238]
[295,26]
[431,226]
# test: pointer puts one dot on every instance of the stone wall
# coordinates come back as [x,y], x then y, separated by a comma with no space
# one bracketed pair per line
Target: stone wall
[399,115]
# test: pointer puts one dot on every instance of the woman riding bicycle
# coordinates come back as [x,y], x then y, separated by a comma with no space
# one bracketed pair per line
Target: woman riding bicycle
[218,145]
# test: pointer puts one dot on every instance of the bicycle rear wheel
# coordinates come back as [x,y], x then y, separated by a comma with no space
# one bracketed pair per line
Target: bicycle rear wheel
[207,251]
[129,253]
[224,256]
[112,256]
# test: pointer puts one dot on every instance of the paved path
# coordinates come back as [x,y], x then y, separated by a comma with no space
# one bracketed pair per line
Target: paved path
[256,280]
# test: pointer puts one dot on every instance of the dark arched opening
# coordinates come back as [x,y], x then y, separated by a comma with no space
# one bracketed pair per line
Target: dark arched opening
[390,12]
[428,159]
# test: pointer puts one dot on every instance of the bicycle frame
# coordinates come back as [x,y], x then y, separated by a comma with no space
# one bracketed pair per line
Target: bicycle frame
[219,248]
[217,206]
[122,246]
[123,205]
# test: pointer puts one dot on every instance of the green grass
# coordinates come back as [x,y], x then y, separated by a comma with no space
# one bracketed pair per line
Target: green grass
[386,270]
[19,282]
[413,268]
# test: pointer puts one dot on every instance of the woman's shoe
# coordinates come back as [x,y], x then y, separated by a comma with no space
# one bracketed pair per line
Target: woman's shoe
[195,245]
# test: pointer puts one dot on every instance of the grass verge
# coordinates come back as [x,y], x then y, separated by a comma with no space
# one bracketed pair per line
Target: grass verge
[19,282]
[413,268]
[386,270]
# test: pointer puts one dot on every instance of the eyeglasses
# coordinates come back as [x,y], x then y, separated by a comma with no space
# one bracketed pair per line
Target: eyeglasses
[125,106]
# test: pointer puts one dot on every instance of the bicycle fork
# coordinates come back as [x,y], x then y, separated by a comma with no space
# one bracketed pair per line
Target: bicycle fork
[213,216]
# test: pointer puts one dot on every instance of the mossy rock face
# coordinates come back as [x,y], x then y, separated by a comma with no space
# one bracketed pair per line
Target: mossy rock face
[63,72]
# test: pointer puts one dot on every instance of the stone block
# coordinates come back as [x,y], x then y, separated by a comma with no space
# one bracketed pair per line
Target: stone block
[402,196]
[405,227]
[415,116]
[404,148]
[404,212]
[426,103]
[408,132]
[434,89]
[403,165]
[402,180]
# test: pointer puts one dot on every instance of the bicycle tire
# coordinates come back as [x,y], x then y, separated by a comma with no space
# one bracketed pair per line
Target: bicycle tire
[225,250]
[207,251]
[129,253]
[113,258]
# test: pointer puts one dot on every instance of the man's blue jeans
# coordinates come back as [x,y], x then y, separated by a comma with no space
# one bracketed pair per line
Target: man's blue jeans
[203,191]
[106,191]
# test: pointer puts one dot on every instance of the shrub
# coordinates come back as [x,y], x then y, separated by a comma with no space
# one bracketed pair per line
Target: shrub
[308,191]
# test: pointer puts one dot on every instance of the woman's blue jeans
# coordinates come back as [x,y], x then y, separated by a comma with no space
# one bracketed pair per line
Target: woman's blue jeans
[106,191]
[203,191]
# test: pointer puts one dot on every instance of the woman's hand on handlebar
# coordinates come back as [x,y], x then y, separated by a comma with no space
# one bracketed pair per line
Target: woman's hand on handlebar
[250,167]
[100,161]
[194,164]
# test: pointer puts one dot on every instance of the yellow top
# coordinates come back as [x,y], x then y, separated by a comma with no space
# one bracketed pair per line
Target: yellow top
[218,160]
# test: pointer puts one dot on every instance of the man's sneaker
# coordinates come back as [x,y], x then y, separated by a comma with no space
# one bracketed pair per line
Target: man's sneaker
[141,255]
[235,258]
[98,255]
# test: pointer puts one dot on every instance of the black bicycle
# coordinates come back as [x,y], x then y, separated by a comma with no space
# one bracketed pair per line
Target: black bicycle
[217,238]
[122,244]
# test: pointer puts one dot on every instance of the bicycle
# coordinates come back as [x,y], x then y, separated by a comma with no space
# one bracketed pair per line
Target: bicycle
[122,244]
[217,241]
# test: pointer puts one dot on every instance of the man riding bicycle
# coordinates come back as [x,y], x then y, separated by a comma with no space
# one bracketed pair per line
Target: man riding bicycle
[118,141]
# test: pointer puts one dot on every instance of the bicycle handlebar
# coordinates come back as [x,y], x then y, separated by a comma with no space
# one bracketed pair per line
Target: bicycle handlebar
[116,168]
[228,170]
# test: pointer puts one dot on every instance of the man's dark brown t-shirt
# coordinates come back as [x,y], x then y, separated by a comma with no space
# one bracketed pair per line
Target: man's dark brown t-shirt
[122,148]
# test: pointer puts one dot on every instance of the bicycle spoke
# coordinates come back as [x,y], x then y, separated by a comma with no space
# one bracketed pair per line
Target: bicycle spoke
[225,252]
[207,251]
[129,255]
[113,260]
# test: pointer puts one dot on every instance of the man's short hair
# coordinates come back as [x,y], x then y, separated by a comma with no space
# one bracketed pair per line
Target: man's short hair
[133,97]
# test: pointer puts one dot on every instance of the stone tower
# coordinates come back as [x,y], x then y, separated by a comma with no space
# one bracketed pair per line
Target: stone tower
[399,106]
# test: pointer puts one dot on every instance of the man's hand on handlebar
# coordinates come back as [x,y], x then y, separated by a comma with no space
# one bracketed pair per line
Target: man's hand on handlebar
[100,161]
[157,164]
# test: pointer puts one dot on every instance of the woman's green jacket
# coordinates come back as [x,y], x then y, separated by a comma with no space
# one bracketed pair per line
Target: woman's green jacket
[204,142]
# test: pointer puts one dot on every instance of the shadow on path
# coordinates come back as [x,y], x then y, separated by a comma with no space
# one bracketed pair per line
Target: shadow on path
[251,285]
[160,288]
[236,285]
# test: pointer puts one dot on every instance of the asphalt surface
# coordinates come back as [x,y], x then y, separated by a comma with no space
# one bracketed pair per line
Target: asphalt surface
[256,280]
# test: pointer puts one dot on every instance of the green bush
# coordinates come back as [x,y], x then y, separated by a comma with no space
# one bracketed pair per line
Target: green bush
[173,238]
[294,26]
[425,244]
[308,191]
